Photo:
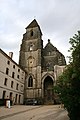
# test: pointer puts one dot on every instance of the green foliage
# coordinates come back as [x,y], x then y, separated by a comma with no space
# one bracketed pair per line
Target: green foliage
[75,45]
[68,84]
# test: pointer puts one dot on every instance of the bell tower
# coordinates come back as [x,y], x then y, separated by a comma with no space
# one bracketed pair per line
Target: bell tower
[30,52]
[30,59]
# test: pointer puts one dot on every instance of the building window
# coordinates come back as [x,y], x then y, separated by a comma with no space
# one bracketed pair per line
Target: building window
[7,71]
[13,74]
[12,84]
[17,86]
[31,47]
[49,53]
[22,88]
[22,73]
[18,76]
[5,82]
[18,70]
[8,62]
[4,94]
[30,82]
[14,66]
[31,33]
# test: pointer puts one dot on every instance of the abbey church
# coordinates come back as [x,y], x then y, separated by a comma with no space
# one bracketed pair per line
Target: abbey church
[33,79]
[41,64]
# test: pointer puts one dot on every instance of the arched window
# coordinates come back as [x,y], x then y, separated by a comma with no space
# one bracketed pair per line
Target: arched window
[31,47]
[30,82]
[31,33]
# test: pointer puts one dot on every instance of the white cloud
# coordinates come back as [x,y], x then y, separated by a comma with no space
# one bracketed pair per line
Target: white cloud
[58,19]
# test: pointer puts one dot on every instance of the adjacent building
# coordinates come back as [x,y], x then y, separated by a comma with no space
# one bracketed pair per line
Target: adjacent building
[12,79]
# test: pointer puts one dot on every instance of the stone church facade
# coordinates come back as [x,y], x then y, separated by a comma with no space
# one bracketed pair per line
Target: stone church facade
[40,64]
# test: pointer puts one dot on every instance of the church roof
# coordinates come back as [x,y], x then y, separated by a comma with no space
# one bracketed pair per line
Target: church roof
[33,24]
[50,47]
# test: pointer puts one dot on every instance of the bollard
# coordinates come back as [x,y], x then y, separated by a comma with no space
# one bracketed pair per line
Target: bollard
[8,103]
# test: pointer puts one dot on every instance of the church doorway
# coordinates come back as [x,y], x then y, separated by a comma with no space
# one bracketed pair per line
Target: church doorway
[48,90]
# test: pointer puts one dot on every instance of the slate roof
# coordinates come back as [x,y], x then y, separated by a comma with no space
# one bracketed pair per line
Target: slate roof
[34,24]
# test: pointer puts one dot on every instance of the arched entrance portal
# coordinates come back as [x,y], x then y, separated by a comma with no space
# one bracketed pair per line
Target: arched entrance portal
[48,90]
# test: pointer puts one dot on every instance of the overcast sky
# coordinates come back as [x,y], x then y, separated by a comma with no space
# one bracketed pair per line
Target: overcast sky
[59,20]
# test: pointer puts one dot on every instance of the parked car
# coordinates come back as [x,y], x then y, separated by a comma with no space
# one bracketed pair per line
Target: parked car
[30,102]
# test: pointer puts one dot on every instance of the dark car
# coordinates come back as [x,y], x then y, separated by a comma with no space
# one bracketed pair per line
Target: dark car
[31,102]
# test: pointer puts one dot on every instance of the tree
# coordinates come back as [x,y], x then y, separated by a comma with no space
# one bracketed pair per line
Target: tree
[68,84]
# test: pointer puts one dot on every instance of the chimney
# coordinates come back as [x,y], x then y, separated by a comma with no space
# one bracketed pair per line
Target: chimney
[11,54]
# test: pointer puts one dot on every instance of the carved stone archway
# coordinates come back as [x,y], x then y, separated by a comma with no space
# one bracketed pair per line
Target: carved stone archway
[48,93]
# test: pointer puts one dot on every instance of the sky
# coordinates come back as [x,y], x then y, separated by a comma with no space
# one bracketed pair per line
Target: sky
[59,20]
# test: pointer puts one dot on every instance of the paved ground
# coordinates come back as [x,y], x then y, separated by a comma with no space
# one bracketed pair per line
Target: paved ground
[21,112]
